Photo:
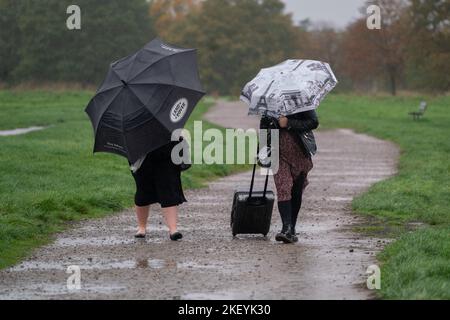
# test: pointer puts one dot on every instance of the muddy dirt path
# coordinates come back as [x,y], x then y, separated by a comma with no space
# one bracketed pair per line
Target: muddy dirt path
[329,261]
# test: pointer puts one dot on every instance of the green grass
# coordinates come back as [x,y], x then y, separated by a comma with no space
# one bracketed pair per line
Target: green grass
[417,265]
[51,177]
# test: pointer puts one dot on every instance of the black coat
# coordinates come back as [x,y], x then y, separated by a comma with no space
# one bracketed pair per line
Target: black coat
[301,125]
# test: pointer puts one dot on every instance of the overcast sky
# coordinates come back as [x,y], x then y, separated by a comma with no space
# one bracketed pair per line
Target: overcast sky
[337,12]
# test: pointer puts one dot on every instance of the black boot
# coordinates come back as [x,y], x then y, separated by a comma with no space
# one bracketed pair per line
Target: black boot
[297,194]
[294,214]
[285,235]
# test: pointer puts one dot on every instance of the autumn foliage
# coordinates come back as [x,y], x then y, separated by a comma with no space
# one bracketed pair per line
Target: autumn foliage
[234,38]
[237,38]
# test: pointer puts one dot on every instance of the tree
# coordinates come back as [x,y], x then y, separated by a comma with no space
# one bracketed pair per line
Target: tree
[390,39]
[9,37]
[368,54]
[429,50]
[324,44]
[360,62]
[236,39]
[167,12]
[48,51]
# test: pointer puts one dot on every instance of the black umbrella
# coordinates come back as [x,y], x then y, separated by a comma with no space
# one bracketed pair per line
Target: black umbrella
[143,98]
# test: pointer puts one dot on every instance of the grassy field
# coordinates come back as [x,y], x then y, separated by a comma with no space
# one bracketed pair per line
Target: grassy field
[50,177]
[417,265]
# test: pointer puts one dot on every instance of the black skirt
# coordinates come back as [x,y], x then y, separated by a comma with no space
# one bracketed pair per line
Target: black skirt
[158,180]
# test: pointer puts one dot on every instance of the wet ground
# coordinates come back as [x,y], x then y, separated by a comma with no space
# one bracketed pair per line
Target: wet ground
[19,131]
[328,262]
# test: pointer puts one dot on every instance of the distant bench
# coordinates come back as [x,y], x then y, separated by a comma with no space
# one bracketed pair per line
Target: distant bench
[417,114]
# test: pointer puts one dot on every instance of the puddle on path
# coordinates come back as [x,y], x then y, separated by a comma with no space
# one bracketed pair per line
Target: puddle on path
[18,131]
[114,265]
[195,265]
[86,265]
[353,184]
[46,290]
[334,199]
[98,241]
[208,204]
[222,295]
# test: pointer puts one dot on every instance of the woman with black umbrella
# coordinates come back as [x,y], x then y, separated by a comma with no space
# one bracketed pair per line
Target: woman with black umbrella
[144,98]
[158,181]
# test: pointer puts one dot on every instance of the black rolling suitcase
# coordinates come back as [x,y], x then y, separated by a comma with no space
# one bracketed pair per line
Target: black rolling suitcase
[252,210]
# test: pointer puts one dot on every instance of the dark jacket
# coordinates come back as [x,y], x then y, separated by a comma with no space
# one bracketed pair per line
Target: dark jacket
[301,125]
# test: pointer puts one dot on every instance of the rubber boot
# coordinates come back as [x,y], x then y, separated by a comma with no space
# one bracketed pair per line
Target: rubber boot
[296,202]
[285,235]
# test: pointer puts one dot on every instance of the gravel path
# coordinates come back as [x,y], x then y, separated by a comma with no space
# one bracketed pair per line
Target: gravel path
[329,261]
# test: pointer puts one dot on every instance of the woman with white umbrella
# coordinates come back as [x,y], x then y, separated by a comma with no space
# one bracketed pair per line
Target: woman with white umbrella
[286,97]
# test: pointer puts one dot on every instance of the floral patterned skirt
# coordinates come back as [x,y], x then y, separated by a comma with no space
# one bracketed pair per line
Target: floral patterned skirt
[293,163]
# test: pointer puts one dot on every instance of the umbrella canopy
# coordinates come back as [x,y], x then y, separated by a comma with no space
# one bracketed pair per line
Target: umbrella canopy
[143,98]
[290,87]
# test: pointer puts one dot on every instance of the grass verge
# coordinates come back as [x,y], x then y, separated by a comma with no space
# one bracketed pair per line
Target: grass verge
[417,265]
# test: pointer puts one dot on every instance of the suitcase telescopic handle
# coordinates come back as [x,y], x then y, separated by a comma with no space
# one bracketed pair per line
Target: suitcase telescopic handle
[253,182]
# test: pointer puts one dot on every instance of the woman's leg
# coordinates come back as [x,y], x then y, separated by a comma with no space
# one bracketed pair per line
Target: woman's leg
[297,194]
[171,215]
[284,184]
[285,209]
[286,234]
[142,218]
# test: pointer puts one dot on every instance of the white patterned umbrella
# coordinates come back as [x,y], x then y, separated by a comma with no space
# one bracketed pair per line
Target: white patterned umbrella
[290,87]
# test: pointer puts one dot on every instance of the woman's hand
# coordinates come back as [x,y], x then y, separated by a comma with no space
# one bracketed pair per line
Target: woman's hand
[283,122]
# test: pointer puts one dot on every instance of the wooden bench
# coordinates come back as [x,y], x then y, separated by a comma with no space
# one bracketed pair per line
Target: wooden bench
[417,114]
